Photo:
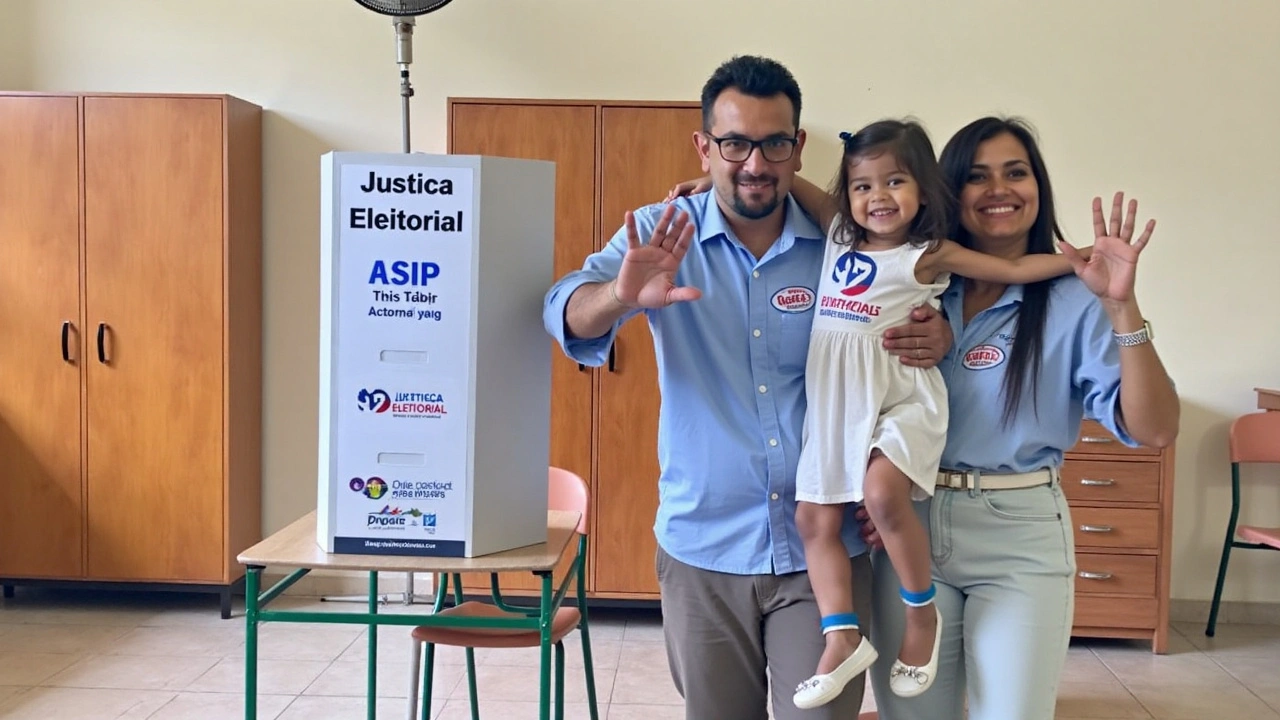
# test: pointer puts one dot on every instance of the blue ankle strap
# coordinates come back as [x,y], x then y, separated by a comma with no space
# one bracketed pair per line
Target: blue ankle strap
[839,621]
[918,599]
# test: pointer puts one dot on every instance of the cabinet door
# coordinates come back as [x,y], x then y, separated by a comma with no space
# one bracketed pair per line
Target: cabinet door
[153,284]
[645,150]
[564,134]
[41,503]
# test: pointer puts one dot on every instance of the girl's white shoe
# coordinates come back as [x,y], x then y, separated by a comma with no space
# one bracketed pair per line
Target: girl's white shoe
[822,689]
[909,680]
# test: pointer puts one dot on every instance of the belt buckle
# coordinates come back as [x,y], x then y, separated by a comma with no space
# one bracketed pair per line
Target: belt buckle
[956,480]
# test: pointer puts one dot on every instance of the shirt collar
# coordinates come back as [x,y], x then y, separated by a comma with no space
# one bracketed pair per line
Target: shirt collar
[953,303]
[954,293]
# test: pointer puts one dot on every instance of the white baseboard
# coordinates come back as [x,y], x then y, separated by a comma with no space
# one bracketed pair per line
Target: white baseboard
[1229,611]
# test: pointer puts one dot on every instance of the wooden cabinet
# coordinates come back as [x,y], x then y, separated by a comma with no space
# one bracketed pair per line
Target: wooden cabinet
[1121,502]
[611,156]
[130,372]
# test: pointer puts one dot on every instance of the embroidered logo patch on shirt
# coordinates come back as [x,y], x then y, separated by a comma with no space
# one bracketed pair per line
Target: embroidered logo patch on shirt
[794,299]
[983,357]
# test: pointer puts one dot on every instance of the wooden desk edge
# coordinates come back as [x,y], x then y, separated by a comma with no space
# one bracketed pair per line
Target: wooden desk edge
[295,546]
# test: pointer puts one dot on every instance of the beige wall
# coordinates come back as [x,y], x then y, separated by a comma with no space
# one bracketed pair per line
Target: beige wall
[1174,101]
[15,44]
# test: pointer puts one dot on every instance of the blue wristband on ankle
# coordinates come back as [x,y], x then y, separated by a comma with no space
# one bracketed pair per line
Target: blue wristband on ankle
[918,599]
[840,621]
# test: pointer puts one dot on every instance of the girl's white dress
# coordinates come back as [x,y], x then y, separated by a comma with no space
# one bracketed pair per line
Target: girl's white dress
[861,398]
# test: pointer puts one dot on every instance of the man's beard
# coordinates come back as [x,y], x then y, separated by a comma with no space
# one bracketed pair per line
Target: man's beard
[750,212]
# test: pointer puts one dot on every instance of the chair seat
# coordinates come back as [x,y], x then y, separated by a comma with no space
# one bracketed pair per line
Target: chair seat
[1260,535]
[564,622]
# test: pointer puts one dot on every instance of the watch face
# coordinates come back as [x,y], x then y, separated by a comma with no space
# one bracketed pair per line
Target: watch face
[1151,334]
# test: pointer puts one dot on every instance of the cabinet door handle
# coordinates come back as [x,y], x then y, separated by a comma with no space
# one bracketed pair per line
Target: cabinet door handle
[613,357]
[1091,481]
[66,335]
[582,368]
[102,350]
[1092,439]
[1095,528]
[1094,575]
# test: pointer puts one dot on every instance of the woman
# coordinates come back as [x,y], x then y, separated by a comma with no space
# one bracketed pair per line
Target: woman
[1028,362]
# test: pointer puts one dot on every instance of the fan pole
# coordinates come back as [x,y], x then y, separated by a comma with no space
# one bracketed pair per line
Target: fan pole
[404,56]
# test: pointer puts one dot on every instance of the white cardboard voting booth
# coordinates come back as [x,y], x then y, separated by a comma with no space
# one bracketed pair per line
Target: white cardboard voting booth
[435,370]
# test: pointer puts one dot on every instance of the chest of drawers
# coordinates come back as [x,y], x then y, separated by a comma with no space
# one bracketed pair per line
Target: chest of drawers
[1121,502]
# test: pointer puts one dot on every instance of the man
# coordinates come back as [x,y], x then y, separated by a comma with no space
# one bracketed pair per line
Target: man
[728,287]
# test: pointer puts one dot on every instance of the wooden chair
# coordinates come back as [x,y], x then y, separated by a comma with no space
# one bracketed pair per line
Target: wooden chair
[1254,438]
[566,491]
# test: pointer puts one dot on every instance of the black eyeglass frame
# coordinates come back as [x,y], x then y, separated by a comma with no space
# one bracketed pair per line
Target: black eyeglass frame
[789,142]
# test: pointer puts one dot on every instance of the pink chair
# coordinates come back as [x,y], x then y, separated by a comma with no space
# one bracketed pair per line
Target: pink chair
[1254,438]
[565,491]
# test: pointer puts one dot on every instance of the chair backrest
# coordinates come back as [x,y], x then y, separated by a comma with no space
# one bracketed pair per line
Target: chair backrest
[1255,438]
[567,491]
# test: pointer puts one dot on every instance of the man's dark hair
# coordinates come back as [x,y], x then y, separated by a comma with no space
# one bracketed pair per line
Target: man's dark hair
[754,76]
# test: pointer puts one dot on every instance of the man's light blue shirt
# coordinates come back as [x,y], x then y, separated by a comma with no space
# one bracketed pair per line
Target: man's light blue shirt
[731,373]
[1079,378]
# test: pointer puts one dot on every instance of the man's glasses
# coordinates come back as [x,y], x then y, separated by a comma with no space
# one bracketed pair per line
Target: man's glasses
[774,150]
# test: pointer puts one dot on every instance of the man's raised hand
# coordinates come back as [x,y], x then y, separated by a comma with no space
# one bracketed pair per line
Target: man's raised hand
[647,276]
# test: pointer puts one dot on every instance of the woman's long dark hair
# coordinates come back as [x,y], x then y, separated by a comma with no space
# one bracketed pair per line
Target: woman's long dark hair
[957,162]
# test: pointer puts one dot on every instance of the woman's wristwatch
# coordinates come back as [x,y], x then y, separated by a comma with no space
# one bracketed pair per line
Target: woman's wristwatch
[1142,335]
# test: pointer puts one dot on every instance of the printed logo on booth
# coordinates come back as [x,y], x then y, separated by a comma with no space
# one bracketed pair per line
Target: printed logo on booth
[378,401]
[389,518]
[373,488]
[403,404]
[794,299]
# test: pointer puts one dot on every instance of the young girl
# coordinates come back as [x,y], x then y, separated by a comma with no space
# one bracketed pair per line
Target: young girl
[875,427]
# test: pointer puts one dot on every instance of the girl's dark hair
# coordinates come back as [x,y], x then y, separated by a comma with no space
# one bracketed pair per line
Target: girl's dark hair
[957,163]
[906,141]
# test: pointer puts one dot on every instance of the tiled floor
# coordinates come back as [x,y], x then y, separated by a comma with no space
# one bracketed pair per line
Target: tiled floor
[80,656]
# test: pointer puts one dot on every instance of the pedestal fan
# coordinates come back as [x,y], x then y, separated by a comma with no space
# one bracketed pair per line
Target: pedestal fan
[403,18]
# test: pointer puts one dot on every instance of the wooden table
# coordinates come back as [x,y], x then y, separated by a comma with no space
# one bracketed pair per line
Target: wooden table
[295,547]
[1268,399]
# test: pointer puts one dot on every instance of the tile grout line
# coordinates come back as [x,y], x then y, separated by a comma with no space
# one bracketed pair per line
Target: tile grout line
[1235,677]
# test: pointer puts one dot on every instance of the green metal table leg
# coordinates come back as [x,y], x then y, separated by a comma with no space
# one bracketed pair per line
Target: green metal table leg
[544,625]
[470,653]
[373,647]
[251,583]
[428,672]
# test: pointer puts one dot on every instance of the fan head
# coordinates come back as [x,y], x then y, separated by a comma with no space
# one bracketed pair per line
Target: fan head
[404,8]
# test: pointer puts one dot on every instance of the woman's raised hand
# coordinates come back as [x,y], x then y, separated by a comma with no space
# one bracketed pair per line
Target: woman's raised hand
[1111,269]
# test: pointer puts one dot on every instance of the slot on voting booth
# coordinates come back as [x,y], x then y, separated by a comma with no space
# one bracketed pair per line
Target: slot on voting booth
[435,369]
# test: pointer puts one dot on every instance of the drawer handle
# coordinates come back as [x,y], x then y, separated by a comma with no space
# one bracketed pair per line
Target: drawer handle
[1095,528]
[1091,481]
[1094,575]
[1091,439]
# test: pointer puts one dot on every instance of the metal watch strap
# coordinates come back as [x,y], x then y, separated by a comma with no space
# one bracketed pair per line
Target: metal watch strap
[1137,337]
